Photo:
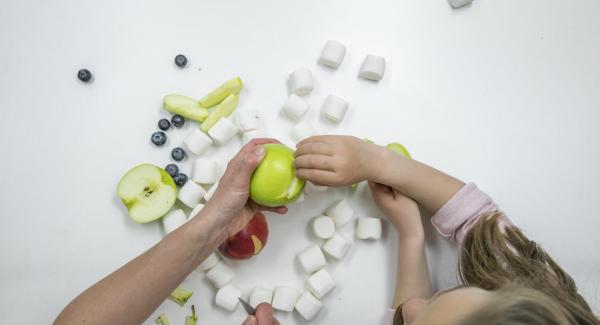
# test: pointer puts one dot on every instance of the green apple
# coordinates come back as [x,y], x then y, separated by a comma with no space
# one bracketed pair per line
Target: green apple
[148,192]
[274,182]
[191,319]
[180,296]
[398,148]
[230,87]
[185,106]
[162,320]
[223,110]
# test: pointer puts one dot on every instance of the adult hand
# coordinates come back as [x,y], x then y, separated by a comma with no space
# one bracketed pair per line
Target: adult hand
[231,200]
[264,316]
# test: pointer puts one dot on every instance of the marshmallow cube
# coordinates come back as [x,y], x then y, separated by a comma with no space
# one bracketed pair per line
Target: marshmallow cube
[337,246]
[332,54]
[196,210]
[260,295]
[312,259]
[220,274]
[311,188]
[323,227]
[320,283]
[340,212]
[308,306]
[173,220]
[211,192]
[197,141]
[459,3]
[191,193]
[294,107]
[251,135]
[249,120]
[228,297]
[208,263]
[302,131]
[223,131]
[372,68]
[368,228]
[301,82]
[334,108]
[285,298]
[204,171]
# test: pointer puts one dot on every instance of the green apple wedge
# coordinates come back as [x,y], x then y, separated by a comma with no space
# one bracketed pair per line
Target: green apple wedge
[193,318]
[224,109]
[185,106]
[162,320]
[399,148]
[180,296]
[148,192]
[229,87]
[274,182]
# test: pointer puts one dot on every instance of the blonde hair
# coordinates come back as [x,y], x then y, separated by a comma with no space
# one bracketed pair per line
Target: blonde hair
[531,288]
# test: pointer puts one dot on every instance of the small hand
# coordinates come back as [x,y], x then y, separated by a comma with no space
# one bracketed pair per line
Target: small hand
[335,160]
[402,211]
[264,316]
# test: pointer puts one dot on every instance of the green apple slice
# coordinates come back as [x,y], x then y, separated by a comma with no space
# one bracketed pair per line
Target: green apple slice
[185,106]
[162,320]
[230,87]
[180,296]
[399,148]
[193,318]
[224,109]
[148,192]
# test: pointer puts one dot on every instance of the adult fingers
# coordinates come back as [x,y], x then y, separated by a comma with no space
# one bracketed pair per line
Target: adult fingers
[251,320]
[278,210]
[264,314]
[317,176]
[319,148]
[315,162]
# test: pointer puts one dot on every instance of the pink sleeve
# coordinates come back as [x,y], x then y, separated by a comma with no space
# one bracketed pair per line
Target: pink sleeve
[454,219]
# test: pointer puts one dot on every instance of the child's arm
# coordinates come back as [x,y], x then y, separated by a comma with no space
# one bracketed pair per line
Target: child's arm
[345,160]
[412,274]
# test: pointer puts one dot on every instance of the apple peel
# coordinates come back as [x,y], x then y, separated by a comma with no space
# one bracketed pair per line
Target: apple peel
[180,296]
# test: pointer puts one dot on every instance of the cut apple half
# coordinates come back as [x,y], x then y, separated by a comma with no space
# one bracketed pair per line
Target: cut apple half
[185,106]
[224,109]
[230,87]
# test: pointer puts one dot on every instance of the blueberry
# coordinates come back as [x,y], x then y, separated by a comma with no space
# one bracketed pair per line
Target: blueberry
[172,169]
[180,179]
[164,124]
[180,60]
[84,75]
[177,121]
[159,138]
[178,154]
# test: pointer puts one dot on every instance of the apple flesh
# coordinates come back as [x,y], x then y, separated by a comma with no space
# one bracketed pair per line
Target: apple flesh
[398,148]
[185,106]
[249,241]
[225,108]
[230,87]
[148,192]
[274,182]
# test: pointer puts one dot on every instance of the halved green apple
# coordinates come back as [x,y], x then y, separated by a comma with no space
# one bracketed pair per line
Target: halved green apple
[185,106]
[274,182]
[224,109]
[148,192]
[229,87]
[399,148]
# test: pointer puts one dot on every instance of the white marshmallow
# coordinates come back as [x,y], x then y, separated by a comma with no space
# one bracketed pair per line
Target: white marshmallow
[334,108]
[260,295]
[311,189]
[204,171]
[173,220]
[320,283]
[191,193]
[337,246]
[294,107]
[196,210]
[302,131]
[459,3]
[372,68]
[256,134]
[197,141]
[223,131]
[228,297]
[340,212]
[284,298]
[208,263]
[308,306]
[332,54]
[249,119]
[211,192]
[220,274]
[323,227]
[312,259]
[301,82]
[368,228]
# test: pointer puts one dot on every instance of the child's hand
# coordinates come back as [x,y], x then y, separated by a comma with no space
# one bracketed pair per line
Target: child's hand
[401,210]
[335,160]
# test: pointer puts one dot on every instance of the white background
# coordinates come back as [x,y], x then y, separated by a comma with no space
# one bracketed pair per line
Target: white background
[503,93]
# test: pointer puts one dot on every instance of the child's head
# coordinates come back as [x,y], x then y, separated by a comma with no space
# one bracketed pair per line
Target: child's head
[508,279]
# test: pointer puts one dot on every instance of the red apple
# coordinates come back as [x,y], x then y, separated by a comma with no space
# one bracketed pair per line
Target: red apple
[249,241]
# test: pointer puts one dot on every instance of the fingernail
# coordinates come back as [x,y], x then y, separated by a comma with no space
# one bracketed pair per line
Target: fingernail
[249,321]
[260,151]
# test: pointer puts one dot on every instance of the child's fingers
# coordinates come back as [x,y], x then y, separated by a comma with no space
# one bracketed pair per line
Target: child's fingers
[377,188]
[316,138]
[317,176]
[314,162]
[318,148]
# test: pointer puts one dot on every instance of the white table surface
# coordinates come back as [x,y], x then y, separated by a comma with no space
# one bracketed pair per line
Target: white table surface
[503,93]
